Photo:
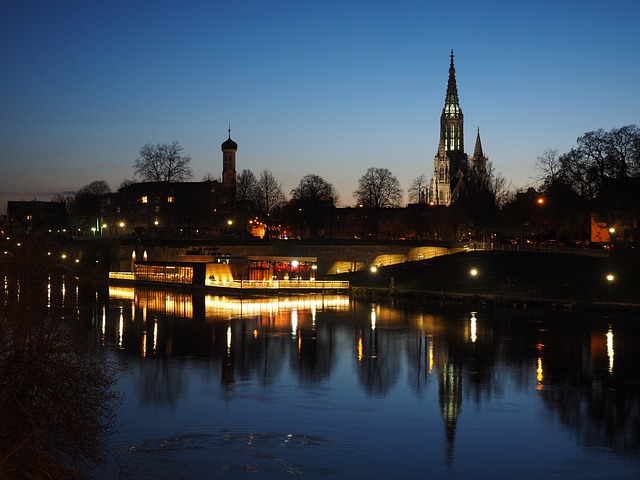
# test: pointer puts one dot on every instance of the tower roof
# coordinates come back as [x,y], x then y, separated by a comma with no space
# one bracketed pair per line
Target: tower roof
[229,144]
[477,151]
[452,87]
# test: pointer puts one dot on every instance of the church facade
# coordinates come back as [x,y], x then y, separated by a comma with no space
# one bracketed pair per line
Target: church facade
[452,168]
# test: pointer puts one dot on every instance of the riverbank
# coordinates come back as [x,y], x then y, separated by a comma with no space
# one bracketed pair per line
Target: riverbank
[509,279]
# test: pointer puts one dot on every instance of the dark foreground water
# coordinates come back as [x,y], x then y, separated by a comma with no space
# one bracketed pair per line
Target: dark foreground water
[327,387]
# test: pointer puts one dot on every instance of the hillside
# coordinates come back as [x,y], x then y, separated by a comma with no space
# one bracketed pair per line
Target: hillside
[544,275]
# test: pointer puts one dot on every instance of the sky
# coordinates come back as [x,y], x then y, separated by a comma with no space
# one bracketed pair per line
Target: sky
[325,87]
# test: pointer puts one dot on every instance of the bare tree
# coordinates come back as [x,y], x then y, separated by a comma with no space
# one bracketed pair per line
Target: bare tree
[418,189]
[126,182]
[56,402]
[378,189]
[66,198]
[163,162]
[314,188]
[97,187]
[246,186]
[314,198]
[500,188]
[210,177]
[548,166]
[269,196]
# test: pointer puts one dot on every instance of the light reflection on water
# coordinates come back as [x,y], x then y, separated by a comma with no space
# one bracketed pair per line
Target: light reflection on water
[322,386]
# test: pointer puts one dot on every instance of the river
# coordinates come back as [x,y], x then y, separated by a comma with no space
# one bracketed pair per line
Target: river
[331,387]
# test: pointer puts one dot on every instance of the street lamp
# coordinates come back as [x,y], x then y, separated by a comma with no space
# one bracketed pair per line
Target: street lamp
[473,272]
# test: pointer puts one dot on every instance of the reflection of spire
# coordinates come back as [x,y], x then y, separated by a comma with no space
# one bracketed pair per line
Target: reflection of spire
[228,371]
[450,399]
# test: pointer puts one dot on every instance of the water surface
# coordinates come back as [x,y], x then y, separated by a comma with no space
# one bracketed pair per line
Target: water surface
[328,387]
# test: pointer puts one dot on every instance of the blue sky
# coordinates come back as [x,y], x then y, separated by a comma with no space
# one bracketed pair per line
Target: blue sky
[330,87]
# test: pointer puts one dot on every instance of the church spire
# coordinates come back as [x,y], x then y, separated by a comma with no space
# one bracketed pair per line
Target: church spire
[477,151]
[452,88]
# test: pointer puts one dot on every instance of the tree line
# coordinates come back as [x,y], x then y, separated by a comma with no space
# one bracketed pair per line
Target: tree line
[599,175]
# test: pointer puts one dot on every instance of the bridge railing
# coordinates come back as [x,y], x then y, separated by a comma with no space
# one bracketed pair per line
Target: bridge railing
[281,284]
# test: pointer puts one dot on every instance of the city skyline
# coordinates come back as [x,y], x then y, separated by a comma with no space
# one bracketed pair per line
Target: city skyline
[330,89]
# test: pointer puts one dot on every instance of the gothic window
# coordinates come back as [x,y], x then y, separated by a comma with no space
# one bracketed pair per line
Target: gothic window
[441,174]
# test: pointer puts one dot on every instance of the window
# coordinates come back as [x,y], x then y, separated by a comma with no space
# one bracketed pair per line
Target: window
[171,199]
[144,199]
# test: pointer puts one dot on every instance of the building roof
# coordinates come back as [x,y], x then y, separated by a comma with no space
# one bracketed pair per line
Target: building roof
[229,144]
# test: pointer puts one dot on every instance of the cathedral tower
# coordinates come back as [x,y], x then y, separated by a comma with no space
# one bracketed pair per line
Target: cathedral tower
[450,163]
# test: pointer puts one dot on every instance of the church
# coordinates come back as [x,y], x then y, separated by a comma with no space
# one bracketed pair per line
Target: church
[453,170]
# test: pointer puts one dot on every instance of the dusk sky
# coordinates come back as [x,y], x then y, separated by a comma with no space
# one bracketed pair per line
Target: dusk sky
[330,87]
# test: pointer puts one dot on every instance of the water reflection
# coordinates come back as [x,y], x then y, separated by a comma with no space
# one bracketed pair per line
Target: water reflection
[464,362]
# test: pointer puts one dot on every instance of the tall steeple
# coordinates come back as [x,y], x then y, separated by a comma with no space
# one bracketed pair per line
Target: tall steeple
[478,165]
[452,120]
[450,163]
[477,151]
[452,103]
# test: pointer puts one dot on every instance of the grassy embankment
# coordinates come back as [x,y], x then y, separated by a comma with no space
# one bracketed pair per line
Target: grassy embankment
[561,278]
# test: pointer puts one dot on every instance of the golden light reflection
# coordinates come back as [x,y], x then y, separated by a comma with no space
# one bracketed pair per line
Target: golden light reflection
[104,322]
[539,369]
[49,292]
[539,373]
[294,323]
[144,344]
[373,318]
[255,333]
[120,328]
[610,351]
[229,340]
[155,334]
[215,305]
[474,328]
[360,349]
[431,359]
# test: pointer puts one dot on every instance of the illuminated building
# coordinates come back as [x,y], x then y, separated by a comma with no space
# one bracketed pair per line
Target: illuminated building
[175,208]
[451,167]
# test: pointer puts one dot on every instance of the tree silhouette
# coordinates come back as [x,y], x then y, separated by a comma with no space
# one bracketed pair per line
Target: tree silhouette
[163,162]
[378,189]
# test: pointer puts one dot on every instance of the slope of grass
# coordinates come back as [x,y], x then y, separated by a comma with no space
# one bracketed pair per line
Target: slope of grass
[546,275]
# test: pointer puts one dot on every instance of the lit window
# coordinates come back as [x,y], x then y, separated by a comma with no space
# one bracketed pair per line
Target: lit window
[29,217]
[170,199]
[144,199]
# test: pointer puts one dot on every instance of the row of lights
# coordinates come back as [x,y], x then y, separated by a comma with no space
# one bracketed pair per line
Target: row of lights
[610,277]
